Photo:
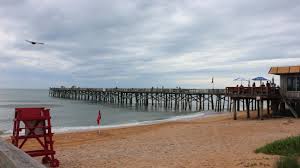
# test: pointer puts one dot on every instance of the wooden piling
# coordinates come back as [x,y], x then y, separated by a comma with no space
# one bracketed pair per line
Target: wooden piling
[234,109]
[184,99]
[261,109]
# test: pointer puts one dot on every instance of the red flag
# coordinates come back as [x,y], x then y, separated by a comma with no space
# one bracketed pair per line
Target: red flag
[99,118]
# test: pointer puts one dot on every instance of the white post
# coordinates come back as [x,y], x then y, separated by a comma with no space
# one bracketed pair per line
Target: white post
[99,129]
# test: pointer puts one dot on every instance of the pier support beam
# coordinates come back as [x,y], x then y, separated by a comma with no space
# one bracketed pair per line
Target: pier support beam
[234,109]
[261,109]
[182,99]
[248,107]
[268,107]
[258,109]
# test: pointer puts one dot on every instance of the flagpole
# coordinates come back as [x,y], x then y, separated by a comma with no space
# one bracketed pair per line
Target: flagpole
[99,129]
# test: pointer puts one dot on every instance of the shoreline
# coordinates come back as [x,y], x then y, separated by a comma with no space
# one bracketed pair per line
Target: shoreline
[82,129]
[190,117]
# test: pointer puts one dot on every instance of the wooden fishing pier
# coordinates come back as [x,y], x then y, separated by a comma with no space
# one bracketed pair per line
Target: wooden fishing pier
[232,99]
[254,97]
[178,99]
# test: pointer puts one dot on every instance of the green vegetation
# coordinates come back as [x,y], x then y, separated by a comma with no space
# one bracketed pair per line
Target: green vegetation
[285,147]
[287,162]
[289,148]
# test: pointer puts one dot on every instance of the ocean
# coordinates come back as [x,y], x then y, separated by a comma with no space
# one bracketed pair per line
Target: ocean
[73,115]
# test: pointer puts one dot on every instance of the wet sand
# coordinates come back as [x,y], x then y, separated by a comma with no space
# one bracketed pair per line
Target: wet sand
[216,141]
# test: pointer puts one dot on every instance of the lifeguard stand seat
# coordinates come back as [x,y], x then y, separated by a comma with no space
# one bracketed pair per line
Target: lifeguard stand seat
[34,123]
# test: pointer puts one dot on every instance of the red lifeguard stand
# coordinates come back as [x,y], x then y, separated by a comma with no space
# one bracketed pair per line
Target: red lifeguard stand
[34,123]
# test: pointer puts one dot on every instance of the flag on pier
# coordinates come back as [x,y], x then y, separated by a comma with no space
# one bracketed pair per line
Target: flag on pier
[99,118]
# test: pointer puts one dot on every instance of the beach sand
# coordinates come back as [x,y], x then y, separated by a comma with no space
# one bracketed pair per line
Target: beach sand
[216,141]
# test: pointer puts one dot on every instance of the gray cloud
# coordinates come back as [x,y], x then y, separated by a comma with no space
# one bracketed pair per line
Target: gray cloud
[146,43]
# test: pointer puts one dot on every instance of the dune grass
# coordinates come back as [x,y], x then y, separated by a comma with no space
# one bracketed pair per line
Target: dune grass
[288,148]
[285,147]
[287,162]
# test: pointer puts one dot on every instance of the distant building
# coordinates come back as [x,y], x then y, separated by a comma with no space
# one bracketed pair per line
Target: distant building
[289,80]
[289,86]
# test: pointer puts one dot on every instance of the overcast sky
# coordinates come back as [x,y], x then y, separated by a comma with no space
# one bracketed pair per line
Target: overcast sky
[144,43]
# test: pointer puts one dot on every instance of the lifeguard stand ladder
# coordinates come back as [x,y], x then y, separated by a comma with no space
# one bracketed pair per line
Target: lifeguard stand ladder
[37,125]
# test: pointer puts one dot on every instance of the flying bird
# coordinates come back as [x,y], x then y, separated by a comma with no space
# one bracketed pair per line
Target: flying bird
[33,42]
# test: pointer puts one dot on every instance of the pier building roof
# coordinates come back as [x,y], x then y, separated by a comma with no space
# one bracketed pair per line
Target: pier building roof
[284,70]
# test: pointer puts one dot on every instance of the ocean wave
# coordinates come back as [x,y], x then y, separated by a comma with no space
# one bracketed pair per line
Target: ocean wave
[129,124]
[20,101]
[23,104]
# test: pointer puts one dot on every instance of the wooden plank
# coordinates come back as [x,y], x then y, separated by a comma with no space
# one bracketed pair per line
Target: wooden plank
[295,69]
[12,157]
[291,108]
[283,70]
[273,70]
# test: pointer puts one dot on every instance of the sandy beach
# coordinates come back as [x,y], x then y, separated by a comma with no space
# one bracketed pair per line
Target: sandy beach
[216,141]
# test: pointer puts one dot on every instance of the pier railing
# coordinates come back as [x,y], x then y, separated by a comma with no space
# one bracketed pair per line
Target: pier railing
[146,90]
[252,91]
[168,97]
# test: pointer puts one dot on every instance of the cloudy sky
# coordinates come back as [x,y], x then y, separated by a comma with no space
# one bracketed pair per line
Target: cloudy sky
[144,43]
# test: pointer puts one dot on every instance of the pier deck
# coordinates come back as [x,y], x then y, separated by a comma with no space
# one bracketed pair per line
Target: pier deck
[228,99]
[201,99]
[254,97]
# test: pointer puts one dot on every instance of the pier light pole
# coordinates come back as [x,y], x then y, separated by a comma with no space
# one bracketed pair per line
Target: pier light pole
[212,82]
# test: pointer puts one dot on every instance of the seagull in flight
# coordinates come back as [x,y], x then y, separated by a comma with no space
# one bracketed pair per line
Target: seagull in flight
[33,42]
